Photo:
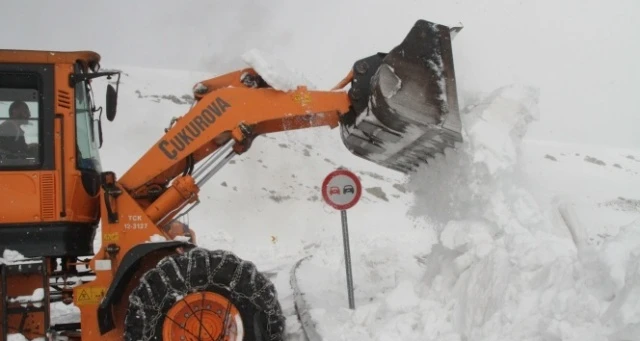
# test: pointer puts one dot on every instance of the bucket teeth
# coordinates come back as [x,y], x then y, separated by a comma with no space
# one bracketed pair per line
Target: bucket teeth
[404,103]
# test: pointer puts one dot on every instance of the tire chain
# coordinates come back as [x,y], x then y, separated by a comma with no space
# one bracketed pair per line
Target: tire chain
[139,311]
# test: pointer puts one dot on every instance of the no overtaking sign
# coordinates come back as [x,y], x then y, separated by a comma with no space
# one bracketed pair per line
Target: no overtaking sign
[341,189]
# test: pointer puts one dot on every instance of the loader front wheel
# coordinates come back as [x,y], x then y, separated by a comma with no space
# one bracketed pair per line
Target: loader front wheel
[204,295]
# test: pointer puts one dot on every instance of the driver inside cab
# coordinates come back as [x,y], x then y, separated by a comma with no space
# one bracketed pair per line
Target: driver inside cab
[11,134]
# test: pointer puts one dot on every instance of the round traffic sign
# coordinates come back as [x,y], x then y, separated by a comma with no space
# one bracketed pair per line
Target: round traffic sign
[341,189]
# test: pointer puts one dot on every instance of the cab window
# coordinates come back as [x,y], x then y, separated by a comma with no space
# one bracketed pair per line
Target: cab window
[19,122]
[86,129]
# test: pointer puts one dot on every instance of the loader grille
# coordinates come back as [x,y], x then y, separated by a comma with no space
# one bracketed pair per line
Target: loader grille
[47,197]
[64,99]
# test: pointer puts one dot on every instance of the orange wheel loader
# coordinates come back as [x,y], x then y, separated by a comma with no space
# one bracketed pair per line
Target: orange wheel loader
[149,280]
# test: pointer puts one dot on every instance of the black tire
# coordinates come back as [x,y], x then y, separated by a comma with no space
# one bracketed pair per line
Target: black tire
[200,270]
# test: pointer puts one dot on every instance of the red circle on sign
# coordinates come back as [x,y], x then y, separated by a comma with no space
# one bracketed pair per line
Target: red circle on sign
[352,186]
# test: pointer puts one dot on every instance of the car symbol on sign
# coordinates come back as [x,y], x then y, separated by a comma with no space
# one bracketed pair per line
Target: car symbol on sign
[334,190]
[348,189]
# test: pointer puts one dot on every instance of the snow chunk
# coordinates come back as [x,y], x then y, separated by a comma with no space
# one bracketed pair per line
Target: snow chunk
[274,71]
[438,68]
[35,299]
[20,337]
[390,83]
[402,299]
[199,88]
[63,313]
[157,238]
[16,337]
[10,256]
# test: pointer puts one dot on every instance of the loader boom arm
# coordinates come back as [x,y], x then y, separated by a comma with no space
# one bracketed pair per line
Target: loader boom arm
[229,109]
[400,110]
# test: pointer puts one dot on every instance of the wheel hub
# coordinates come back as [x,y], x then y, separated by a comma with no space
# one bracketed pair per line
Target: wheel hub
[201,316]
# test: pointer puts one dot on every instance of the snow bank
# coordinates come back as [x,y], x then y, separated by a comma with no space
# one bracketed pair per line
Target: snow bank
[499,269]
[388,300]
[274,71]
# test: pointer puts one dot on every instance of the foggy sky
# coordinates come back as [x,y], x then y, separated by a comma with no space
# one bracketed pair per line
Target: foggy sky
[583,54]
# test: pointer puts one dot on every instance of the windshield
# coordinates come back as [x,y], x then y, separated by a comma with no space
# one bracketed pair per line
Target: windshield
[86,129]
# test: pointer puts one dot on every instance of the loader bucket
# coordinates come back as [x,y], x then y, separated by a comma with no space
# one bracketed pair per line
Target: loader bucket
[405,104]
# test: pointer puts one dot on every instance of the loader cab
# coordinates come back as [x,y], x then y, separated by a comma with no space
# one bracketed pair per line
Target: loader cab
[50,135]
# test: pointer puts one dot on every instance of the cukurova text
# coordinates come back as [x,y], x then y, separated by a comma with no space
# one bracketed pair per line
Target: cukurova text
[194,128]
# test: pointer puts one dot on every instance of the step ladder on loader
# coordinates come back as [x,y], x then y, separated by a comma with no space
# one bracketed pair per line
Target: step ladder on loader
[25,298]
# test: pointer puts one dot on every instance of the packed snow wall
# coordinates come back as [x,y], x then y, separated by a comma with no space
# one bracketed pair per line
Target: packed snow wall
[501,267]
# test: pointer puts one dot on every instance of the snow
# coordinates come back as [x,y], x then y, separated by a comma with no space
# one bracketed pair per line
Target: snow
[508,272]
[390,83]
[498,269]
[274,71]
[513,236]
[182,238]
[63,313]
[35,299]
[11,256]
[240,326]
[156,238]
[438,68]
[20,337]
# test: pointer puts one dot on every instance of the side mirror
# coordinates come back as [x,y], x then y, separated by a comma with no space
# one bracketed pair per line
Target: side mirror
[112,102]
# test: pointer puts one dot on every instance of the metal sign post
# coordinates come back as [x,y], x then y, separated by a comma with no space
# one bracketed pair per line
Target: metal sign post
[341,189]
[347,258]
